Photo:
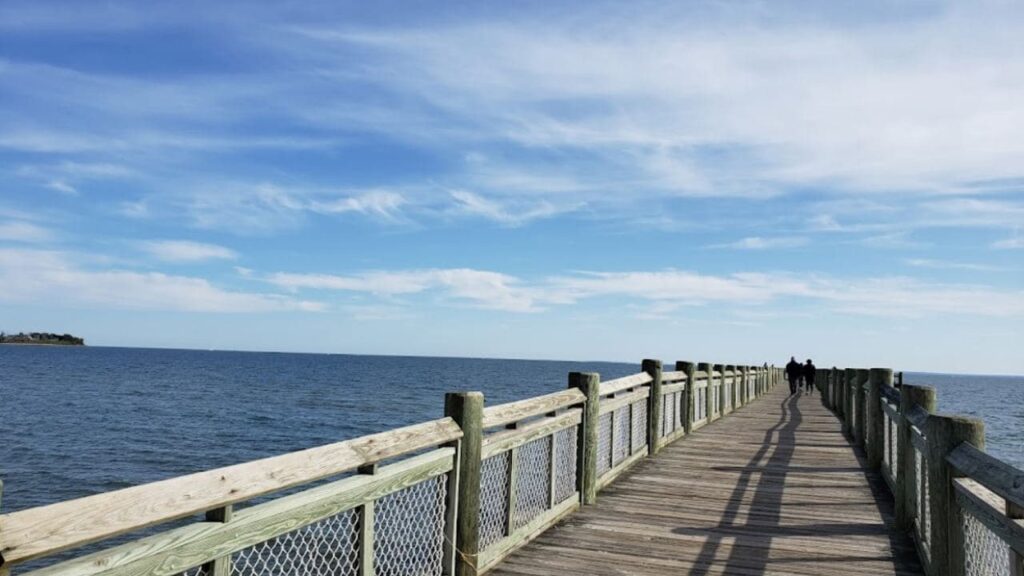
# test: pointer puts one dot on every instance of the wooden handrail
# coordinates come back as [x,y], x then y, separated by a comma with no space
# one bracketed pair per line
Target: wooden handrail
[45,530]
[1001,478]
[625,383]
[510,412]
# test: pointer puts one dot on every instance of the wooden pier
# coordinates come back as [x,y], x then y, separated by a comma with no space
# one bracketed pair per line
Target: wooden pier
[776,488]
[704,469]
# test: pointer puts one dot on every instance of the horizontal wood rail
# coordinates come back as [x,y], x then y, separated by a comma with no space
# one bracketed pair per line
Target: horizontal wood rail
[503,414]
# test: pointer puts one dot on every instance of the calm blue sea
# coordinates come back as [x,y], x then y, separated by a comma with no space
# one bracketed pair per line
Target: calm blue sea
[77,421]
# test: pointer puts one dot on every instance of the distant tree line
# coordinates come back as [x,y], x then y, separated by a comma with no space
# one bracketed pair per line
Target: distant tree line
[41,338]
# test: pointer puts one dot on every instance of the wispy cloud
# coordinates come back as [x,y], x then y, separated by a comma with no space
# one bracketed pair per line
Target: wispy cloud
[187,251]
[761,243]
[514,213]
[948,265]
[1015,242]
[21,231]
[666,291]
[479,288]
[55,278]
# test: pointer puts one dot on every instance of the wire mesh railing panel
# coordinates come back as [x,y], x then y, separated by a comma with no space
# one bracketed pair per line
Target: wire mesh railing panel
[329,547]
[409,530]
[702,404]
[565,463]
[197,571]
[639,419]
[985,554]
[533,468]
[923,522]
[886,442]
[668,414]
[623,432]
[494,473]
[604,443]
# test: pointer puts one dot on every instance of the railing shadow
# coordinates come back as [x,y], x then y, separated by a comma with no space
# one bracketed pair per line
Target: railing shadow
[750,540]
[748,552]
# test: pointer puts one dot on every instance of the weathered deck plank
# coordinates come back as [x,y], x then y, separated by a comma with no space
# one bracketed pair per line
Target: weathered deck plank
[774,488]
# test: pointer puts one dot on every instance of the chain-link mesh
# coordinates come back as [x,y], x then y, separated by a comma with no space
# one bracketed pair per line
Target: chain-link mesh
[565,463]
[894,447]
[668,414]
[639,419]
[604,443]
[325,548]
[533,470]
[197,571]
[623,432]
[493,498]
[985,554]
[409,530]
[924,521]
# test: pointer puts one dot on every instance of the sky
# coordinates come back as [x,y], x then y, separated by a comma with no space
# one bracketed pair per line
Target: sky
[733,182]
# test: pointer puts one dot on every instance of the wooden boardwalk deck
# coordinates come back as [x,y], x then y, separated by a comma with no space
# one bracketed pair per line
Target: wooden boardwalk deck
[773,489]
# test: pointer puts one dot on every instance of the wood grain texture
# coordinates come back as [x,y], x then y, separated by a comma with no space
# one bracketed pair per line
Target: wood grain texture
[992,473]
[624,383]
[503,414]
[672,376]
[775,488]
[45,530]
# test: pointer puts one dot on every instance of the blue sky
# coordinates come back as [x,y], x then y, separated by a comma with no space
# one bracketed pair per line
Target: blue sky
[733,182]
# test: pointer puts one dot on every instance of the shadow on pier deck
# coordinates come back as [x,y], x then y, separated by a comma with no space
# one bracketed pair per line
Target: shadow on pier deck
[774,489]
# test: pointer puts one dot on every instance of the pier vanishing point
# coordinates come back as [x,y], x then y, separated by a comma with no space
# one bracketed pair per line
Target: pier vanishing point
[703,469]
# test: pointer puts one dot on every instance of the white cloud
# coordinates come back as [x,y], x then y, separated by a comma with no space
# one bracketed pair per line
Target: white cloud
[667,290]
[948,265]
[62,187]
[479,288]
[54,278]
[1015,242]
[187,251]
[504,213]
[759,243]
[380,203]
[721,104]
[20,231]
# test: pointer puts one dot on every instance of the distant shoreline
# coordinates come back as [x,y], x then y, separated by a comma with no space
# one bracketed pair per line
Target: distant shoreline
[41,339]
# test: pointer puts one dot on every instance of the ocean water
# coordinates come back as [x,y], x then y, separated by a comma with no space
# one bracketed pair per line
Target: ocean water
[998,400]
[77,421]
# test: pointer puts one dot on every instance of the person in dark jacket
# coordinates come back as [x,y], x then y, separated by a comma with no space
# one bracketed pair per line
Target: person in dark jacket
[793,373]
[809,373]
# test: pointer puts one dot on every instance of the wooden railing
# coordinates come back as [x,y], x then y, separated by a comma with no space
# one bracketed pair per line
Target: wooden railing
[964,508]
[450,496]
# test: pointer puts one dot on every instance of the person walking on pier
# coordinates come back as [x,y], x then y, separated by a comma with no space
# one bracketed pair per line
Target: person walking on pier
[793,372]
[809,369]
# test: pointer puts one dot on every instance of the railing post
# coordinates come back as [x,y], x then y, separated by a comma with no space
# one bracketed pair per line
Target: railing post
[220,566]
[946,541]
[1016,559]
[654,408]
[586,454]
[745,385]
[467,409]
[859,398]
[875,422]
[910,396]
[720,400]
[691,395]
[849,416]
[367,521]
[708,397]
